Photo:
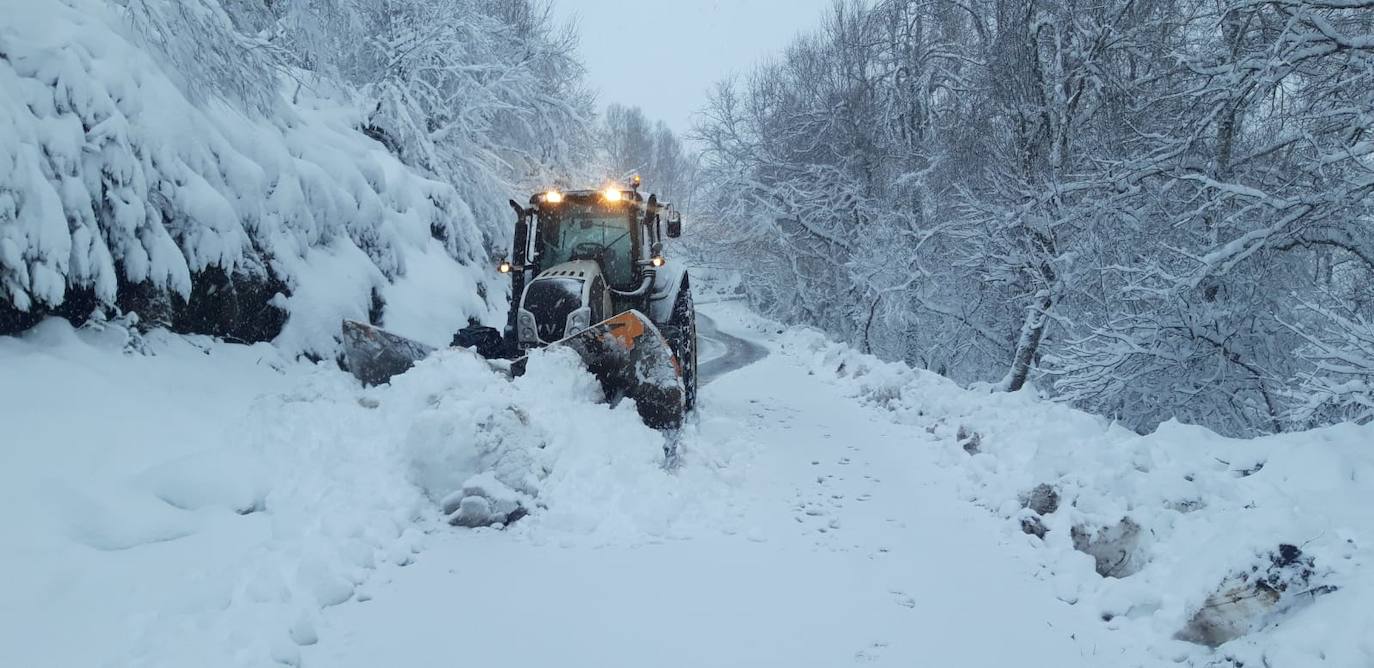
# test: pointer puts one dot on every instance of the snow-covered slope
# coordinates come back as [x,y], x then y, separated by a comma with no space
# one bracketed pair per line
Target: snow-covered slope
[222,505]
[117,187]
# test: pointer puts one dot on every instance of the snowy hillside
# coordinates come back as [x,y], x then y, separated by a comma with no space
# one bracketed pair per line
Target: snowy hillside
[127,180]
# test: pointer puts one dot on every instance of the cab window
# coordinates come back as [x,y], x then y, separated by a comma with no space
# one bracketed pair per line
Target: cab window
[584,232]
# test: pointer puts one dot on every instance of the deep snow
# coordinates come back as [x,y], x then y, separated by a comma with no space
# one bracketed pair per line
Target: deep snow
[1184,512]
[212,504]
[799,529]
[110,172]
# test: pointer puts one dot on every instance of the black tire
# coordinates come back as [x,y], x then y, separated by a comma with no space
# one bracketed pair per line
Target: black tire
[682,337]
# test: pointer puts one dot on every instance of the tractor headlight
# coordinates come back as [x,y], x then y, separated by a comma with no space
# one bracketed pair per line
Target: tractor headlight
[527,330]
[578,320]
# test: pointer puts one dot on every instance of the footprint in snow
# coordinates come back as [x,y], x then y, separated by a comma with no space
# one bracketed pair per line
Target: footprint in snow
[871,653]
[901,598]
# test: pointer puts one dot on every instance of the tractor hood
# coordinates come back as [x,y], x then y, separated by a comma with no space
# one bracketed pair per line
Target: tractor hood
[557,303]
[580,269]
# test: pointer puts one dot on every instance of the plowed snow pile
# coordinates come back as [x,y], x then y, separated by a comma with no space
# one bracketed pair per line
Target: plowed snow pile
[183,517]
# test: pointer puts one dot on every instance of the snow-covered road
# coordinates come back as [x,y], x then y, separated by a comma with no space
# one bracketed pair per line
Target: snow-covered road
[722,352]
[821,534]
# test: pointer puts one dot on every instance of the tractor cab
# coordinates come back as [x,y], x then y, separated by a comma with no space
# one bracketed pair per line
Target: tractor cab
[582,256]
[587,226]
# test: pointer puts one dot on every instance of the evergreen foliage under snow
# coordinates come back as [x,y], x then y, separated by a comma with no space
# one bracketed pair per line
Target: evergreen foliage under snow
[197,165]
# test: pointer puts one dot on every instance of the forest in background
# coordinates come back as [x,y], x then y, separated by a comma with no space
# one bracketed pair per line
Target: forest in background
[1148,208]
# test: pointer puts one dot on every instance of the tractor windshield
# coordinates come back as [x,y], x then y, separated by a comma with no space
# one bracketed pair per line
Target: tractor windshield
[586,232]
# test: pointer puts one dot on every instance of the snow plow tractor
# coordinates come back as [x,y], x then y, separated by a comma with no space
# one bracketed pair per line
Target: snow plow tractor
[587,273]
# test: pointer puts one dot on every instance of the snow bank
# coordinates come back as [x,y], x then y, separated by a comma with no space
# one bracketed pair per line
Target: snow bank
[111,178]
[1264,547]
[212,499]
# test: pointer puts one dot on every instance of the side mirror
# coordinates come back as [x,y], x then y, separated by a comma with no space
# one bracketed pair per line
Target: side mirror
[674,225]
[651,211]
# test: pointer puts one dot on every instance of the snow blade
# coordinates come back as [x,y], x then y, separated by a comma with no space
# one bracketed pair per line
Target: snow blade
[374,355]
[632,359]
[625,352]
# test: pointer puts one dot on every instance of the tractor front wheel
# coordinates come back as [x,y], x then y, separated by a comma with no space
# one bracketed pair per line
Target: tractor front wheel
[682,336]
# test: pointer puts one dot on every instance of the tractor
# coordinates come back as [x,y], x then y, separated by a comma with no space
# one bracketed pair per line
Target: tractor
[587,272]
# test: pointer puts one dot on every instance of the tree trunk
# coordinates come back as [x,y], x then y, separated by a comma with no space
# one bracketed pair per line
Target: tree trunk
[872,311]
[1032,331]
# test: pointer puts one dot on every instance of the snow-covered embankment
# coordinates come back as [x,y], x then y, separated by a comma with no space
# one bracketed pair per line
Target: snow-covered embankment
[1184,538]
[127,183]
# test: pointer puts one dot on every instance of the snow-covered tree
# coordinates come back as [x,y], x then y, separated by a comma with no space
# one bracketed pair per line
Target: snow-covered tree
[201,162]
[1126,203]
[631,144]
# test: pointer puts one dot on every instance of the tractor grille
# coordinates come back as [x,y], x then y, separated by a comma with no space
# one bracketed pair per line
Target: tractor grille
[550,301]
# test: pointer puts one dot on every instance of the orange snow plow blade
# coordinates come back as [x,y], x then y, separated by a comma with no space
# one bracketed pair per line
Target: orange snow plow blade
[632,359]
[625,352]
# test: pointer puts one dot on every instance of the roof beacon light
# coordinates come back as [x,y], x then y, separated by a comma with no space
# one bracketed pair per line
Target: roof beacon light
[553,197]
[612,195]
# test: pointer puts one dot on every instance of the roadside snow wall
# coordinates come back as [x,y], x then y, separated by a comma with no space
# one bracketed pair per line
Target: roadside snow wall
[118,190]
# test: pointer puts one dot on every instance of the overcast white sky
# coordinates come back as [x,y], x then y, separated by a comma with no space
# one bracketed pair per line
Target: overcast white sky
[662,55]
